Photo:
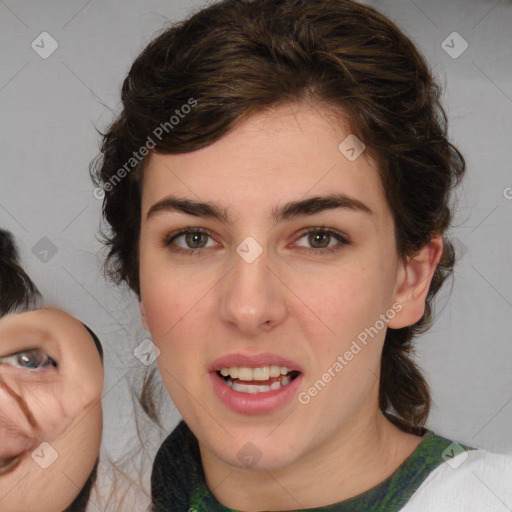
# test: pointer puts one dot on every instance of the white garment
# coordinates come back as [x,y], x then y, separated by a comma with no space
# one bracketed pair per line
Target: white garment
[471,481]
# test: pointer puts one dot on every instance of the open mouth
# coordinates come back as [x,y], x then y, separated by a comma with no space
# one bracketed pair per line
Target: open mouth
[246,384]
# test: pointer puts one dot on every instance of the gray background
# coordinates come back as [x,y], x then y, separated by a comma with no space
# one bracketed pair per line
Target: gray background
[50,109]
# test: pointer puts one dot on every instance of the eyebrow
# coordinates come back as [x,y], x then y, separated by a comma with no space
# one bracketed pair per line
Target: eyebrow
[288,211]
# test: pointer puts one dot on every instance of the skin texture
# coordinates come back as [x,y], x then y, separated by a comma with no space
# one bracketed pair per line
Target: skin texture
[65,410]
[294,300]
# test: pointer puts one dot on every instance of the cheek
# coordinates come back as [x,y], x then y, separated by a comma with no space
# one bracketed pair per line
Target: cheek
[347,303]
[339,303]
[162,293]
[50,489]
[57,407]
[171,294]
[79,448]
[344,369]
[165,307]
[50,412]
[175,317]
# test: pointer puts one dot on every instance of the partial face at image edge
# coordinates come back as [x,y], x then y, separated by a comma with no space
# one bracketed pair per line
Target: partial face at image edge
[51,380]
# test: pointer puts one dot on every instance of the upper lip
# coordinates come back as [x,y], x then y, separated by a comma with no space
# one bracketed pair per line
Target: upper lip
[253,361]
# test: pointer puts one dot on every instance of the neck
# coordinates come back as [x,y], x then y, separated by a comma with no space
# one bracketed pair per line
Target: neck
[357,458]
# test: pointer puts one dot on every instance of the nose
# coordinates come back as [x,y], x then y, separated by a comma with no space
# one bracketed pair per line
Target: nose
[253,299]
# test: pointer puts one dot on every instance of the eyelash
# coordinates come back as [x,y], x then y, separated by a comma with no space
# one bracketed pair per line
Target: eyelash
[341,238]
[48,361]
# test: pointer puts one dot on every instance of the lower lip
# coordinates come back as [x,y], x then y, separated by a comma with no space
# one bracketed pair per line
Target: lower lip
[258,403]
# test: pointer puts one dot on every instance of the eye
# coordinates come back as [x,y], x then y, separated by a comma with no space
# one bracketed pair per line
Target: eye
[321,239]
[190,239]
[29,360]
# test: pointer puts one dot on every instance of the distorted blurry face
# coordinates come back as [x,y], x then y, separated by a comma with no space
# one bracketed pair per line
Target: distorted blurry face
[51,380]
[290,254]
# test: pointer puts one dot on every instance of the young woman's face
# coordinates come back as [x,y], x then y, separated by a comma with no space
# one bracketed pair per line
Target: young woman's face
[51,380]
[251,288]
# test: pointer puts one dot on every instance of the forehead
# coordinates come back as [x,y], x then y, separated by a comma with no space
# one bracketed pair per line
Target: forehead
[278,155]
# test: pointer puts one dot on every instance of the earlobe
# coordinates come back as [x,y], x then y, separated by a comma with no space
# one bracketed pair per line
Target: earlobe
[413,283]
[143,315]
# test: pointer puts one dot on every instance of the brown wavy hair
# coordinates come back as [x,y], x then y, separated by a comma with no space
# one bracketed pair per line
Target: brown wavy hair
[237,57]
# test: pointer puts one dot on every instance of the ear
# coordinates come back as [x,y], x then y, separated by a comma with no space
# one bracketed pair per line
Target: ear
[413,282]
[143,315]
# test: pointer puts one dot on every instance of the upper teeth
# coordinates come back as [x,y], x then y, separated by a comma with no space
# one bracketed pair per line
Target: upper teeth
[260,373]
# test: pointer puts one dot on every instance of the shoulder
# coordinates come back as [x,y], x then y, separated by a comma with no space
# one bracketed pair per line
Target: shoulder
[466,480]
